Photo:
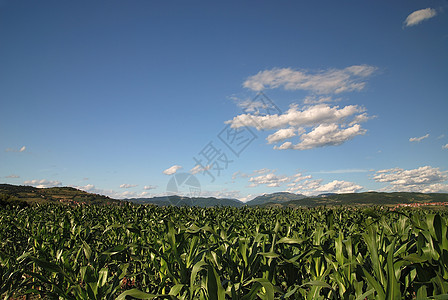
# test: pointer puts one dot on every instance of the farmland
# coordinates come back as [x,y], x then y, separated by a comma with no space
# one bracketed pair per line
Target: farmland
[167,252]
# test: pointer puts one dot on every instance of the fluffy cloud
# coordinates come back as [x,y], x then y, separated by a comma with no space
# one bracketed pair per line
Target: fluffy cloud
[419,16]
[424,179]
[307,186]
[299,177]
[419,139]
[325,135]
[270,180]
[88,188]
[303,184]
[321,82]
[42,183]
[296,118]
[339,187]
[172,170]
[127,186]
[317,124]
[281,135]
[327,125]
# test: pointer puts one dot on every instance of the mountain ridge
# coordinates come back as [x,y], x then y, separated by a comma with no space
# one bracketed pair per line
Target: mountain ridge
[22,194]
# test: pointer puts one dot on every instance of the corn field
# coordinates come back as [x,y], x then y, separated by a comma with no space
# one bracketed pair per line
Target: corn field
[149,252]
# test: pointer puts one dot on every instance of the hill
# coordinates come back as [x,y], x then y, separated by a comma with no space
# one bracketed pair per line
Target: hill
[367,198]
[25,195]
[281,197]
[64,195]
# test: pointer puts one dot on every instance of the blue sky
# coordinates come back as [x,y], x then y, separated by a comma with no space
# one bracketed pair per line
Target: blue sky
[117,97]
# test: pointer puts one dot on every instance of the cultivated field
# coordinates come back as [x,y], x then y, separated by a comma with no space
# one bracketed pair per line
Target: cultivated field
[105,252]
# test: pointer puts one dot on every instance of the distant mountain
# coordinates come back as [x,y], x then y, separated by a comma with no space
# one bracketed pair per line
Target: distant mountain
[24,195]
[280,197]
[65,195]
[187,201]
[368,198]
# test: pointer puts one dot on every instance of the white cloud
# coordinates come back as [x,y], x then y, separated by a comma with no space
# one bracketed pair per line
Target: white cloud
[321,82]
[328,125]
[127,186]
[87,188]
[237,174]
[42,183]
[306,185]
[419,16]
[262,171]
[149,187]
[424,179]
[90,188]
[419,139]
[284,146]
[294,117]
[198,169]
[445,146]
[281,134]
[328,135]
[172,170]
[252,174]
[317,124]
[12,176]
[299,177]
[339,187]
[270,180]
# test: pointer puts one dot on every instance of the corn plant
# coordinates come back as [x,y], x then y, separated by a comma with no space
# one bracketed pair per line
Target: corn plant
[149,252]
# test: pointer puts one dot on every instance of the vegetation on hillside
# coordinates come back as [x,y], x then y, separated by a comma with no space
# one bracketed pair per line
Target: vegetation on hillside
[64,195]
[369,198]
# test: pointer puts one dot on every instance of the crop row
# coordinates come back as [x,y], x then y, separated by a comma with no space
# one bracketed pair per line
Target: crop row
[146,252]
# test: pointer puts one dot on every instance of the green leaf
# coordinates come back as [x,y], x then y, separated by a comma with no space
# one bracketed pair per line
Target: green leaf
[288,240]
[87,250]
[375,284]
[365,295]
[102,278]
[269,254]
[268,288]
[214,288]
[135,293]
[393,287]
[115,250]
